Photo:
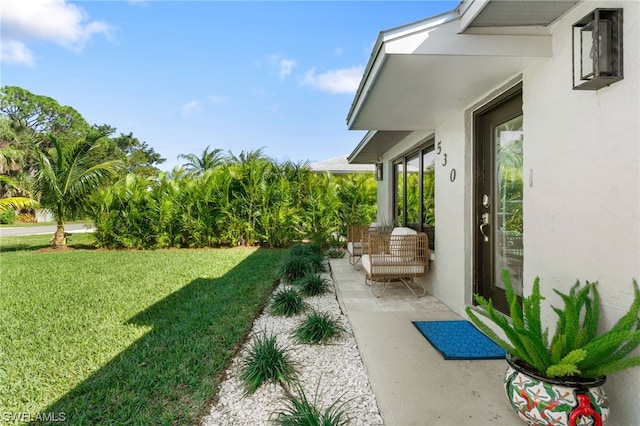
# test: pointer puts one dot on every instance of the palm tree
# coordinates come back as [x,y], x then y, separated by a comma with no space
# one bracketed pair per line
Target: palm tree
[67,174]
[247,157]
[208,161]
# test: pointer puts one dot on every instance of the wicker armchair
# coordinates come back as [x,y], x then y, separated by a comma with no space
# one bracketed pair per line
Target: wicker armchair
[400,255]
[356,242]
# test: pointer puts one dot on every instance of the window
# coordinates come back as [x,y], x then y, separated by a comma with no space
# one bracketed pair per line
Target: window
[414,197]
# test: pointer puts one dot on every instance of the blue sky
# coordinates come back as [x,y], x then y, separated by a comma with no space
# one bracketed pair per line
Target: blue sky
[184,75]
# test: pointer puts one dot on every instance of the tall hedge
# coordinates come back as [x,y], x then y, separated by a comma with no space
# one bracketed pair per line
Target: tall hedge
[240,203]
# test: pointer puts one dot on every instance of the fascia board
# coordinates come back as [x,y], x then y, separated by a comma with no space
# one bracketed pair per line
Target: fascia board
[368,79]
[471,11]
[365,140]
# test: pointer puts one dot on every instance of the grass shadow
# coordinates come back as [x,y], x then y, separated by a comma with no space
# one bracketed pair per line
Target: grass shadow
[169,375]
[7,248]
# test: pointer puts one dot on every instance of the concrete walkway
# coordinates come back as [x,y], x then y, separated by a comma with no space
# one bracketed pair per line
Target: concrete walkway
[412,382]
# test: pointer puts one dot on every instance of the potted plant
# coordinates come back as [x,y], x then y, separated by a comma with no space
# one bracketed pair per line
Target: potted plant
[558,380]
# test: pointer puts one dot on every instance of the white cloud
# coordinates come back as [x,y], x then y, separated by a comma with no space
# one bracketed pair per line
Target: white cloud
[15,52]
[286,65]
[51,20]
[334,81]
[190,106]
[282,66]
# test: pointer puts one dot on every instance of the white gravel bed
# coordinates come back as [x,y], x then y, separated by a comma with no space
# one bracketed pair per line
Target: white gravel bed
[335,370]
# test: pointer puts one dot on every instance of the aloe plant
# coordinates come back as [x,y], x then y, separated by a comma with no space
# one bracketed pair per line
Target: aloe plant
[576,349]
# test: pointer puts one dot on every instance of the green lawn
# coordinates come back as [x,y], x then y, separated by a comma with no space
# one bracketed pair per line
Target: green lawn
[123,337]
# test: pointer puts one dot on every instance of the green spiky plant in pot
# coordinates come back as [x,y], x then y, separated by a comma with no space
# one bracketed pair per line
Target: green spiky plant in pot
[559,380]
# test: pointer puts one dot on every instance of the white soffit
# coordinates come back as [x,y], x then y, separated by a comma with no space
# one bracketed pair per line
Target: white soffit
[375,144]
[517,13]
[422,73]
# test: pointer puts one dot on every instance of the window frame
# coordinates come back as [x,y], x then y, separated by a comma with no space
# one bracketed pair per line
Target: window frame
[420,152]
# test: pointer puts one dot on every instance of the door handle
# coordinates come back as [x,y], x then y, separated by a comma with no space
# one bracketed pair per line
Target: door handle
[483,223]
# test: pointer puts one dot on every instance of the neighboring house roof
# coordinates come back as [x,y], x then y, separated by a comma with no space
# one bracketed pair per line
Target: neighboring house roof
[340,165]
[422,73]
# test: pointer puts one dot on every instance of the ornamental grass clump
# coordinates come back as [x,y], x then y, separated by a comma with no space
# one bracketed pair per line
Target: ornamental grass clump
[294,267]
[312,285]
[301,260]
[317,328]
[576,349]
[300,249]
[300,411]
[266,361]
[287,303]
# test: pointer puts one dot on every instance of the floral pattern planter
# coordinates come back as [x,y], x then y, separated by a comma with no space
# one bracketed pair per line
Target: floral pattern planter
[543,401]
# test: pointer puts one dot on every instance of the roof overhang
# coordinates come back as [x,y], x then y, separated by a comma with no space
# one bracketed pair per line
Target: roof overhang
[422,73]
[374,144]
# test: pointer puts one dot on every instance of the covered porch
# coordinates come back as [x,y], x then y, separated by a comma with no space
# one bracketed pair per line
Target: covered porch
[413,383]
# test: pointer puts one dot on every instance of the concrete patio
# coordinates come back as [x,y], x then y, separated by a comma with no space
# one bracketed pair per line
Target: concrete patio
[412,382]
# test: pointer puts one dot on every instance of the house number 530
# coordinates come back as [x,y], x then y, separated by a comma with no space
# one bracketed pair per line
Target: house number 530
[452,174]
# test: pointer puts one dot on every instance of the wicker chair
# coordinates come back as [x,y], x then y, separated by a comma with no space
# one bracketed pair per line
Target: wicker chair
[401,255]
[356,242]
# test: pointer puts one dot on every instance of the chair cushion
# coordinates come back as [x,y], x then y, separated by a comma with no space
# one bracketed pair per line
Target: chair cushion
[396,247]
[391,266]
[366,263]
[403,230]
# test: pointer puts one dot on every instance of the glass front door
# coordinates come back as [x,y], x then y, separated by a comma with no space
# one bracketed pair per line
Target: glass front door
[507,234]
[498,233]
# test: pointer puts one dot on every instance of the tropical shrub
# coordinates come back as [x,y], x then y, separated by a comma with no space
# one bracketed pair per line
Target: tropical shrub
[245,200]
[336,252]
[7,217]
[321,223]
[358,193]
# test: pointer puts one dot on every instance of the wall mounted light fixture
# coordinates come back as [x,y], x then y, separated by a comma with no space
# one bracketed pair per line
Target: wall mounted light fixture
[379,174]
[597,49]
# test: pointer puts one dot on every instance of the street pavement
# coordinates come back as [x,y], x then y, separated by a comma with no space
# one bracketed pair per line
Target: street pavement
[17,231]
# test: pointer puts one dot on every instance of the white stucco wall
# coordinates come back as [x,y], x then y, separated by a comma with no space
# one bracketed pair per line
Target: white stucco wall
[582,211]
[582,214]
[453,233]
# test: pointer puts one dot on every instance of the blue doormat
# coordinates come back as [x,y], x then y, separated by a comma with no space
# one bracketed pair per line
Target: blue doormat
[459,340]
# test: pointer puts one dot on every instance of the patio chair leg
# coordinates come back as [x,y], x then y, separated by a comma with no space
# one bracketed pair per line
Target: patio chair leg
[406,282]
[384,287]
[354,260]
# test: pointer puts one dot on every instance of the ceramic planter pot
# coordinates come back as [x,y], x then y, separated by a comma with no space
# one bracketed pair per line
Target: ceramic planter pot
[543,401]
